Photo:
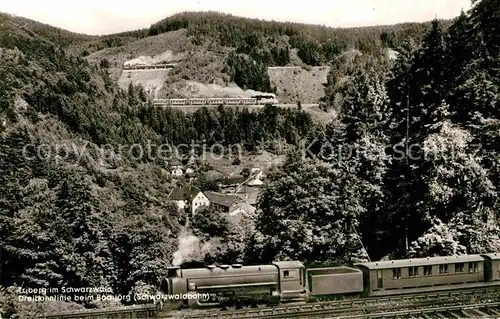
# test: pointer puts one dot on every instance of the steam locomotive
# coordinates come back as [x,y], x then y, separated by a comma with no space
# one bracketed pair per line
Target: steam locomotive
[287,281]
[255,100]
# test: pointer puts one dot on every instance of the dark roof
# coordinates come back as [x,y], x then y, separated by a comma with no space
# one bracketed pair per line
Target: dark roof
[420,261]
[222,199]
[288,264]
[214,175]
[175,162]
[183,193]
[232,180]
[249,209]
[250,193]
[492,256]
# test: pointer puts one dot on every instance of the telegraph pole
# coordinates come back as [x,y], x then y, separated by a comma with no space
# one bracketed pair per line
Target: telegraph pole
[407,166]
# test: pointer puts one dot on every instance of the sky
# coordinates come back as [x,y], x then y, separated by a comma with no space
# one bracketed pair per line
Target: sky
[111,16]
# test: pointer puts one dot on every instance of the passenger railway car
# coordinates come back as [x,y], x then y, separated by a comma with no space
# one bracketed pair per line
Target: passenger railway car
[215,101]
[491,267]
[291,281]
[422,274]
[197,101]
[178,101]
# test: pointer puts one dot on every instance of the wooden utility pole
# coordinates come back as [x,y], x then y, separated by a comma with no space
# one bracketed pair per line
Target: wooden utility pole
[407,139]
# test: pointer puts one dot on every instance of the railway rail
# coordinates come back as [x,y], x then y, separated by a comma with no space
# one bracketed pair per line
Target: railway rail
[260,106]
[480,310]
[139,67]
[137,311]
[349,308]
[342,308]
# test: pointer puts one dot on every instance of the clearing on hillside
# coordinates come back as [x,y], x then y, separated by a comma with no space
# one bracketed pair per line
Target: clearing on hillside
[295,84]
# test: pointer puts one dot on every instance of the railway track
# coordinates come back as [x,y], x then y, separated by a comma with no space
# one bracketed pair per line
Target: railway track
[164,66]
[480,310]
[138,311]
[374,307]
[281,105]
[360,307]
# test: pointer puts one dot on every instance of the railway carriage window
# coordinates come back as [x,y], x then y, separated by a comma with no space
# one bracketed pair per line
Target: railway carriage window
[379,279]
[396,273]
[427,270]
[415,271]
[476,267]
[443,269]
[412,271]
[290,273]
[380,283]
[459,268]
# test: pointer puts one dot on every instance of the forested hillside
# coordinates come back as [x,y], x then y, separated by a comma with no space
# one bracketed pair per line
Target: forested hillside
[253,44]
[263,40]
[259,44]
[82,202]
[83,205]
[239,50]
[411,166]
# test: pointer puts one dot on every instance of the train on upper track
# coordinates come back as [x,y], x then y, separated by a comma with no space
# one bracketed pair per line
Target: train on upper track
[256,100]
[290,281]
[134,67]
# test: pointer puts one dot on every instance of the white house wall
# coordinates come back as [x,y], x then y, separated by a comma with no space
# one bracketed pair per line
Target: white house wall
[181,204]
[198,201]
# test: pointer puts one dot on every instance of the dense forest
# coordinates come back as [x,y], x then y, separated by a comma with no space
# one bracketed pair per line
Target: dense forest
[409,168]
[74,209]
[262,40]
[258,44]
[254,44]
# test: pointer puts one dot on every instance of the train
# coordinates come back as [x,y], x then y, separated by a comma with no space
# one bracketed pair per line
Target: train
[149,66]
[289,281]
[218,101]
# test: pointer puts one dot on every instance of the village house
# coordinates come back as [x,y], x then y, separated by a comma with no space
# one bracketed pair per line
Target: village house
[255,170]
[242,209]
[180,196]
[241,213]
[249,194]
[198,201]
[256,180]
[191,198]
[231,181]
[222,202]
[188,197]
[190,172]
[177,171]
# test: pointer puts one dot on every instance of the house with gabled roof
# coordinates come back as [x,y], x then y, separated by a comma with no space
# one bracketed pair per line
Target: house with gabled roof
[188,196]
[242,209]
[223,202]
[249,194]
[177,170]
[256,179]
[229,181]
